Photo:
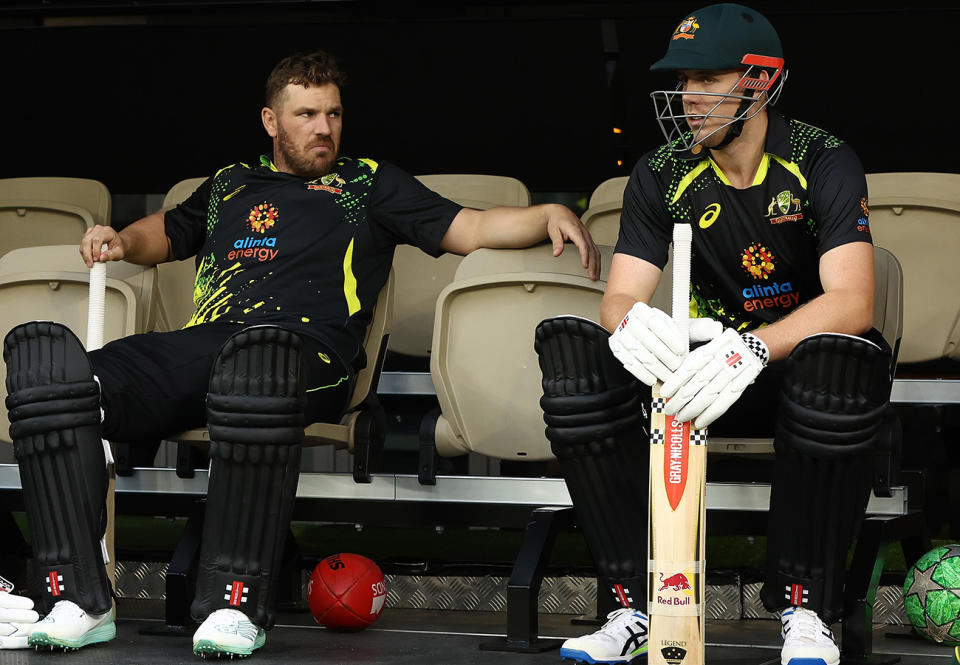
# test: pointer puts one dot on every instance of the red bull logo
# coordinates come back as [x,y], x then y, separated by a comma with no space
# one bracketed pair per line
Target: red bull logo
[676,582]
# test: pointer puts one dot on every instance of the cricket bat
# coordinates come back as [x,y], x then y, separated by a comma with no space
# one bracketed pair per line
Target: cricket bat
[678,456]
[95,324]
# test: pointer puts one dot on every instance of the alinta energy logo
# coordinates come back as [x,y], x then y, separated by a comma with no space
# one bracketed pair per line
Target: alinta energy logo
[863,224]
[758,262]
[260,219]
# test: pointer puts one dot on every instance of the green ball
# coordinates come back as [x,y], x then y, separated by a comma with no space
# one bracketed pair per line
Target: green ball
[931,595]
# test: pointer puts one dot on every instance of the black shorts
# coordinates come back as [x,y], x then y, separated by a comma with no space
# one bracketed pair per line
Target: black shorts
[155,385]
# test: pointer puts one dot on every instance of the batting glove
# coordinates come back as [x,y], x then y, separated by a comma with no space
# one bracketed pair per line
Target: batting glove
[650,345]
[713,377]
[17,618]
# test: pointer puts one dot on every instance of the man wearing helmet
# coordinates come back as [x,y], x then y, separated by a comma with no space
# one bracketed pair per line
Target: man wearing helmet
[782,279]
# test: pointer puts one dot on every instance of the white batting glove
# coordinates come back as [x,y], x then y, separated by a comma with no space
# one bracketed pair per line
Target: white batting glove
[17,618]
[650,345]
[713,377]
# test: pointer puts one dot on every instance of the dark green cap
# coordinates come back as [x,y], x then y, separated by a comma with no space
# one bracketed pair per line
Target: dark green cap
[717,37]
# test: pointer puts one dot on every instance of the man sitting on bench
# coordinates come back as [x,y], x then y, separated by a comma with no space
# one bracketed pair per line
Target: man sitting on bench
[291,254]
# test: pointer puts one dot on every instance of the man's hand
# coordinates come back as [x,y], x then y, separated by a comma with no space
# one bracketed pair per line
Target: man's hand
[563,225]
[17,618]
[94,239]
[713,377]
[650,345]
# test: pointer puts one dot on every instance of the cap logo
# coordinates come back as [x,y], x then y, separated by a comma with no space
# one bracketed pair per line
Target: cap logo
[686,29]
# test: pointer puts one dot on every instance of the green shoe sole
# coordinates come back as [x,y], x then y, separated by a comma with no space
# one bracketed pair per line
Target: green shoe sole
[205,648]
[103,633]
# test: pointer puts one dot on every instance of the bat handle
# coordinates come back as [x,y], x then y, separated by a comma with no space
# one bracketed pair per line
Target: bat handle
[682,242]
[98,287]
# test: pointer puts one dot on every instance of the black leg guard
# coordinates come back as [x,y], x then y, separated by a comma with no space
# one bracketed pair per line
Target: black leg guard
[594,411]
[255,417]
[832,406]
[54,407]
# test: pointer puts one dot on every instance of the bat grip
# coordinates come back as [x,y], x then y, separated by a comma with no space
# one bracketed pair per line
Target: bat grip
[682,242]
[98,287]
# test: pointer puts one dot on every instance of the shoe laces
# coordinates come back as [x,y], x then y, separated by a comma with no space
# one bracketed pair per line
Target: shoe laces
[236,623]
[616,620]
[64,609]
[807,625]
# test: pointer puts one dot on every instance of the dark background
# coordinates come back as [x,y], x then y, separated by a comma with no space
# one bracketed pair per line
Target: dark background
[142,94]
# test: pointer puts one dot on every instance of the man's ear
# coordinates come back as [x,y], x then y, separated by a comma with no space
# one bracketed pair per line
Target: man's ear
[269,118]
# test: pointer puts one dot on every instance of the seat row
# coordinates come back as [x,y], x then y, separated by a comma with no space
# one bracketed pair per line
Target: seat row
[916,215]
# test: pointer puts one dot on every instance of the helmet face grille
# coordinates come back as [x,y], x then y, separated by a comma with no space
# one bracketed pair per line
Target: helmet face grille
[672,118]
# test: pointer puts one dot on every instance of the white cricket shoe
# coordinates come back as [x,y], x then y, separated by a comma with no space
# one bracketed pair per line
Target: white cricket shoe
[620,640]
[68,627]
[806,639]
[227,632]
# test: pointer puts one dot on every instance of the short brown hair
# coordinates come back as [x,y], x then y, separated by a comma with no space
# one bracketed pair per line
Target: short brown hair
[306,69]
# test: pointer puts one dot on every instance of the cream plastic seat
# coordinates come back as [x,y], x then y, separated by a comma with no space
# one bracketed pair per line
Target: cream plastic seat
[420,277]
[602,217]
[917,216]
[52,283]
[50,211]
[177,278]
[483,363]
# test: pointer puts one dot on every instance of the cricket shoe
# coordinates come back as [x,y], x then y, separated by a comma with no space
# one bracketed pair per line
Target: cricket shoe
[228,633]
[68,627]
[806,639]
[621,639]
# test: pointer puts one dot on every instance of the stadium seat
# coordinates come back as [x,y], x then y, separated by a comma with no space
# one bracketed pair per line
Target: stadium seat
[177,277]
[602,217]
[917,216]
[483,364]
[362,428]
[52,283]
[49,211]
[420,277]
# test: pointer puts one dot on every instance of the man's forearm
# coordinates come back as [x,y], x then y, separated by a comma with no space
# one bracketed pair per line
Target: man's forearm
[145,241]
[839,311]
[614,308]
[513,227]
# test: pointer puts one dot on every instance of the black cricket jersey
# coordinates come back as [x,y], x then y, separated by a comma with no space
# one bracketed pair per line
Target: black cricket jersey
[311,255]
[756,251]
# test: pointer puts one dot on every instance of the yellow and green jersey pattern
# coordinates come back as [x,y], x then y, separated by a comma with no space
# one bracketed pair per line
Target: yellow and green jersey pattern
[756,250]
[272,247]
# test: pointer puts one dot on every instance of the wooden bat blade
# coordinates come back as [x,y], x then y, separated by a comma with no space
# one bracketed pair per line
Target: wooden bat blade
[676,579]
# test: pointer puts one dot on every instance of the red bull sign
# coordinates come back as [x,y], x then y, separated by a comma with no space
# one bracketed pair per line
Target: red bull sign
[674,584]
[677,582]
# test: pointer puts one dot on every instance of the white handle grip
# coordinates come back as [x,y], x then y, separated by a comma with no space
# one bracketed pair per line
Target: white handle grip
[98,287]
[682,242]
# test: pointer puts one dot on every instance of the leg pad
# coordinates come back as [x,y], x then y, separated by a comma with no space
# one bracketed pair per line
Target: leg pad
[832,419]
[54,410]
[595,416]
[255,416]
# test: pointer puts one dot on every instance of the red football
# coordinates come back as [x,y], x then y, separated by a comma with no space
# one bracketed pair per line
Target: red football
[346,592]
